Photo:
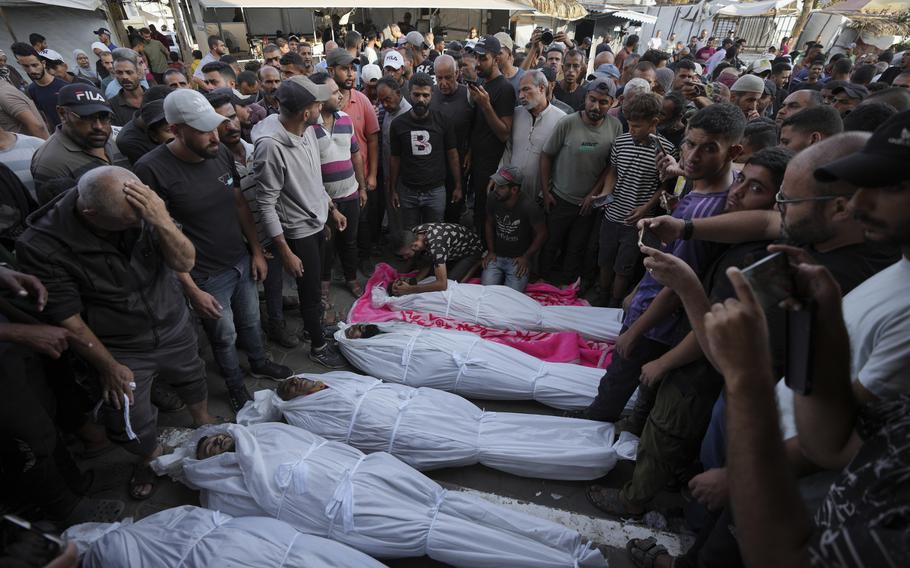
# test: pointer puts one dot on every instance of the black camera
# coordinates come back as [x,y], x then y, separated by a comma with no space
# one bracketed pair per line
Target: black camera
[546,36]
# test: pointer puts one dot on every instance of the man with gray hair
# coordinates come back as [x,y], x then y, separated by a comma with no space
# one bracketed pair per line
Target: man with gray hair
[533,122]
[107,252]
[451,99]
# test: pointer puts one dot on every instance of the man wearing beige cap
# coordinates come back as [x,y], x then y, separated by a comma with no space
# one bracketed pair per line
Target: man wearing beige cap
[293,203]
[745,93]
[506,61]
[196,176]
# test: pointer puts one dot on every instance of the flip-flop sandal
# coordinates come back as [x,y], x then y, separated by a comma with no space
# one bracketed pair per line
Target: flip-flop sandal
[104,478]
[644,552]
[142,475]
[89,510]
[610,502]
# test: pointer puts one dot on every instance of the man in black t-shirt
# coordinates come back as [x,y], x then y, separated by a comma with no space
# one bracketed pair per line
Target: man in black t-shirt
[197,178]
[451,99]
[494,105]
[423,148]
[515,231]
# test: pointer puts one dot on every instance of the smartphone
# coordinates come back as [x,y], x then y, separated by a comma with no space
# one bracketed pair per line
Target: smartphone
[54,545]
[648,239]
[700,90]
[798,371]
[603,200]
[470,82]
[771,279]
[655,141]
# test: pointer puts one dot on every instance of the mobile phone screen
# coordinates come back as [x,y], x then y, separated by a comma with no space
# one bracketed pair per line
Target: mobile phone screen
[648,239]
[771,279]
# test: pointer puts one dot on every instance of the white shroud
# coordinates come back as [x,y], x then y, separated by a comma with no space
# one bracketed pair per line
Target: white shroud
[429,428]
[501,307]
[464,363]
[192,537]
[374,503]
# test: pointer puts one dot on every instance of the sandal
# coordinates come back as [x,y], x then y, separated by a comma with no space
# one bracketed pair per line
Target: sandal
[610,501]
[355,288]
[142,475]
[645,552]
[100,479]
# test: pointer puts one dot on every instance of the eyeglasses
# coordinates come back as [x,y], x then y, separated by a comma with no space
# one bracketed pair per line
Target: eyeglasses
[781,199]
[102,117]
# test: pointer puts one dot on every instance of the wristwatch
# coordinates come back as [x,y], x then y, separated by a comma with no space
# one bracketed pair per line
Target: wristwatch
[688,229]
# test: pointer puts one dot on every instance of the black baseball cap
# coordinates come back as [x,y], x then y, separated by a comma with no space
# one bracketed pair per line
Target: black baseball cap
[852,90]
[338,56]
[488,44]
[152,112]
[883,160]
[82,99]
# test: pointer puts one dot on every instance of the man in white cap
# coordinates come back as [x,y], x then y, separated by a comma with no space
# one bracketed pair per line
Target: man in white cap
[745,93]
[393,66]
[293,203]
[196,176]
[57,67]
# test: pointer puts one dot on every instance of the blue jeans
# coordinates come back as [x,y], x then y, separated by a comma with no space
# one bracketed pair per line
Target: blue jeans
[235,289]
[419,207]
[502,271]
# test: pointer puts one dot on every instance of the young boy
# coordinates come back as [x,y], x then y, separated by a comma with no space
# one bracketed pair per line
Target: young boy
[634,184]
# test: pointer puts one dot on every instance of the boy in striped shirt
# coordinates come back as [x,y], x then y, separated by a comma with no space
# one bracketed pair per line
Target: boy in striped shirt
[342,176]
[635,186]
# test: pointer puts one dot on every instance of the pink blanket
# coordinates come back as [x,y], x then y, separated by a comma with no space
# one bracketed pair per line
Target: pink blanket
[563,347]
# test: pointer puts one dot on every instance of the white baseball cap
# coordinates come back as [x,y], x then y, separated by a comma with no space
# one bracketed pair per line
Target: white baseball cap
[190,107]
[50,55]
[393,59]
[370,73]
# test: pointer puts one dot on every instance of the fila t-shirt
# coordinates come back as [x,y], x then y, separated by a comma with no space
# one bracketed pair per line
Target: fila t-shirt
[421,144]
[200,197]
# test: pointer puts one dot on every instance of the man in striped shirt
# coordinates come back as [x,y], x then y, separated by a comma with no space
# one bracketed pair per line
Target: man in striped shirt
[634,184]
[342,176]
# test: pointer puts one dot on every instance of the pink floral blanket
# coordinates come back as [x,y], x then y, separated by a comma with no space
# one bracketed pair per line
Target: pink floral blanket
[562,347]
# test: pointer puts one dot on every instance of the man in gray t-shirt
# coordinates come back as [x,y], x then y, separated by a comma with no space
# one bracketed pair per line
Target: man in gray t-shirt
[573,166]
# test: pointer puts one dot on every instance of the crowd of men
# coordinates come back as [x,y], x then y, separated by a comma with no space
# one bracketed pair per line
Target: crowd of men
[139,193]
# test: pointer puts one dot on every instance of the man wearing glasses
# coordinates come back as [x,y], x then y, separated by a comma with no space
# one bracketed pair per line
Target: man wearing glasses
[82,141]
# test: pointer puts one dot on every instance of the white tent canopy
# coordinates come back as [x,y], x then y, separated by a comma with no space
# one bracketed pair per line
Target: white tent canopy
[372,4]
[753,8]
[76,4]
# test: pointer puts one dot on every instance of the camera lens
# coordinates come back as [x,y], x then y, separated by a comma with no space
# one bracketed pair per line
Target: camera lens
[547,37]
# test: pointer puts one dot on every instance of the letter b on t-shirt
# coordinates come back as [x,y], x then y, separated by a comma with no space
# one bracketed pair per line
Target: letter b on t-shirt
[420,143]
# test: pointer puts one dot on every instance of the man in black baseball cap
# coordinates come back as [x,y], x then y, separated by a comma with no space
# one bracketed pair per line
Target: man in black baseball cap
[80,143]
[879,171]
[488,45]
[847,97]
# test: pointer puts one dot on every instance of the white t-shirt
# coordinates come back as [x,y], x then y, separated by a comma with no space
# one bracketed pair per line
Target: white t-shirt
[877,314]
[655,43]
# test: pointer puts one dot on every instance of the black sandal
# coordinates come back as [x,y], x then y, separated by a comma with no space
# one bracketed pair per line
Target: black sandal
[142,475]
[610,501]
[644,552]
[89,510]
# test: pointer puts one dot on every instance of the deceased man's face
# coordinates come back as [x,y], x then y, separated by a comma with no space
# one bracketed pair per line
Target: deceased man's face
[297,386]
[214,445]
[364,330]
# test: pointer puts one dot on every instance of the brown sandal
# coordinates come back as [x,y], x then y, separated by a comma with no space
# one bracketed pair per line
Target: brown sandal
[610,501]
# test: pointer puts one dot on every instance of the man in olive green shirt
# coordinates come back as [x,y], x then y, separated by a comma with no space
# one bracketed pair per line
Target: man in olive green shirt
[573,165]
[156,54]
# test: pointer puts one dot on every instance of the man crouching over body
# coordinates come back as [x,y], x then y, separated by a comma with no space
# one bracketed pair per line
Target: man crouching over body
[107,252]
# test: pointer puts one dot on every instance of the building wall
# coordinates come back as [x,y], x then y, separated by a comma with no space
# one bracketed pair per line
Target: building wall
[66,29]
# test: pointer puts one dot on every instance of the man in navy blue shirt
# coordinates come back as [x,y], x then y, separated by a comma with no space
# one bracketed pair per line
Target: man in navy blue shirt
[44,87]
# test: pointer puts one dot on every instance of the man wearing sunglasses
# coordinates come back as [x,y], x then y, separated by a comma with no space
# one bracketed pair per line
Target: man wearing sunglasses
[82,141]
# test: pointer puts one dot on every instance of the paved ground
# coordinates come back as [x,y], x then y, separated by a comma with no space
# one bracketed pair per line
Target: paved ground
[562,501]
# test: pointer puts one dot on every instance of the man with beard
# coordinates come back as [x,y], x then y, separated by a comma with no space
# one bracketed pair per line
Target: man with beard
[340,65]
[271,56]
[342,176]
[423,146]
[571,89]
[125,103]
[175,79]
[451,99]
[573,166]
[533,123]
[506,61]
[516,231]
[80,144]
[286,167]
[269,79]
[216,50]
[44,86]
[218,75]
[196,177]
[494,106]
